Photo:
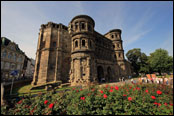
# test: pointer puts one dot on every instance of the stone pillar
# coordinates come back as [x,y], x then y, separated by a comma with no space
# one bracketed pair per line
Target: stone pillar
[2,94]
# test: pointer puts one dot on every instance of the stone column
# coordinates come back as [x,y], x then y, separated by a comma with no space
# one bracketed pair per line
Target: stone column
[2,94]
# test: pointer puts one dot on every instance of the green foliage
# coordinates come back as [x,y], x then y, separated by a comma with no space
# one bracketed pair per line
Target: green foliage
[138,60]
[91,101]
[160,61]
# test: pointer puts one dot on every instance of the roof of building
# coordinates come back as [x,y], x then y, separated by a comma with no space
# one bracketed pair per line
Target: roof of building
[5,42]
[84,16]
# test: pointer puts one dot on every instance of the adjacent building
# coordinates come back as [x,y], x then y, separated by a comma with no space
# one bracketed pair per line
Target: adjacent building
[78,54]
[12,58]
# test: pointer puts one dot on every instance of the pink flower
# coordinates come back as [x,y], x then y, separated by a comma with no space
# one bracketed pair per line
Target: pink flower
[82,98]
[129,98]
[111,90]
[111,87]
[165,104]
[116,88]
[124,95]
[159,92]
[105,96]
[147,91]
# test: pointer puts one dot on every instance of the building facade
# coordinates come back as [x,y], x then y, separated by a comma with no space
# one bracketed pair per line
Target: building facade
[12,58]
[29,72]
[78,54]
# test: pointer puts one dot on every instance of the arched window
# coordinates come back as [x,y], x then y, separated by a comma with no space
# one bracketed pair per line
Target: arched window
[76,43]
[76,25]
[54,44]
[83,25]
[119,55]
[112,36]
[113,46]
[118,45]
[83,43]
[89,28]
[115,56]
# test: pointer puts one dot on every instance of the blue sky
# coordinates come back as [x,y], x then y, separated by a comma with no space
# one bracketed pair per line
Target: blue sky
[145,25]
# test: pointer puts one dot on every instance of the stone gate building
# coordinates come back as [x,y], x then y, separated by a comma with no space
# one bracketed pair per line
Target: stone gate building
[78,54]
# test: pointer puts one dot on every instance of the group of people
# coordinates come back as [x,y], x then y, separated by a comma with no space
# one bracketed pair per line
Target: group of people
[155,80]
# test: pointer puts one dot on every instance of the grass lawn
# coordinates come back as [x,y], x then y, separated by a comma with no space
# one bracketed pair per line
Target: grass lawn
[25,90]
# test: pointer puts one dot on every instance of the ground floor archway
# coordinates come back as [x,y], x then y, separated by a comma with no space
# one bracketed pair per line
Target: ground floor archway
[100,74]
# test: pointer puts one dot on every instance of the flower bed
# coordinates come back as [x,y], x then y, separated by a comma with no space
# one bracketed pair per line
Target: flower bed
[115,100]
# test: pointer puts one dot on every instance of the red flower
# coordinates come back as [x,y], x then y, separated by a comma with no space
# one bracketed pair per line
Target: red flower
[82,98]
[81,89]
[111,87]
[130,87]
[129,98]
[74,88]
[171,104]
[93,89]
[116,88]
[153,97]
[165,104]
[101,91]
[155,103]
[105,96]
[51,105]
[137,88]
[147,91]
[46,101]
[159,92]
[19,102]
[134,89]
[106,86]
[159,104]
[111,90]
[124,95]
[77,90]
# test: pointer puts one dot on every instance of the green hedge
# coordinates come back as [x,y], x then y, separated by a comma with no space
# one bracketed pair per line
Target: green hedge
[121,100]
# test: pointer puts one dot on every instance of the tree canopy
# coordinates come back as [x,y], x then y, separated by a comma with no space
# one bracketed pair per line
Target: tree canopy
[158,61]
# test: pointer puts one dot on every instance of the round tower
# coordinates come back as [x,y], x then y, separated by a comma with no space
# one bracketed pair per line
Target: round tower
[115,36]
[81,29]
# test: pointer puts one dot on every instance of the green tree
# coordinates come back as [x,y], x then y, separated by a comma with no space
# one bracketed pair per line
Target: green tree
[138,60]
[160,61]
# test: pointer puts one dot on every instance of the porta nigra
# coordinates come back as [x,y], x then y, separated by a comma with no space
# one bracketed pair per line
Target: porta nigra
[78,54]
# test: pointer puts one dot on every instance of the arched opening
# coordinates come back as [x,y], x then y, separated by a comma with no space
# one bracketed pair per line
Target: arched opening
[100,74]
[109,74]
[83,43]
[76,43]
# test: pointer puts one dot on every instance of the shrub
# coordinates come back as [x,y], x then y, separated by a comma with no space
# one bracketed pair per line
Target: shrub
[115,100]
